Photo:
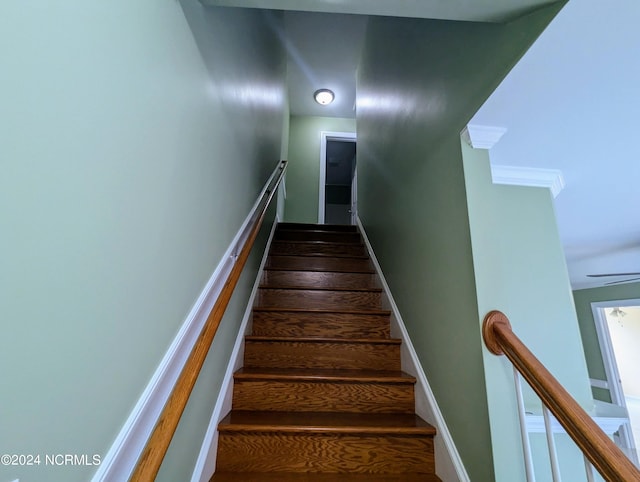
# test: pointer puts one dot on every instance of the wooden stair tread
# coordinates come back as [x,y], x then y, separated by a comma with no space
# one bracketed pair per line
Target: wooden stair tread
[270,286]
[319,339]
[318,235]
[322,397]
[324,374]
[329,299]
[319,477]
[318,242]
[317,231]
[316,270]
[319,270]
[326,422]
[320,255]
[302,262]
[318,279]
[337,325]
[322,310]
[349,228]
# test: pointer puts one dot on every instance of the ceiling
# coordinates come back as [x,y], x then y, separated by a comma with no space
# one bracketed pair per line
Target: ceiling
[572,104]
[469,10]
[569,104]
[324,51]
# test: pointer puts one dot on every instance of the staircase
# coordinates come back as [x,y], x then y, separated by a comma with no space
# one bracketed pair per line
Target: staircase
[321,396]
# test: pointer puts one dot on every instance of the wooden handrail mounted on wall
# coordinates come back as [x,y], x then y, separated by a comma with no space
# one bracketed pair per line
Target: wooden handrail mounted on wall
[596,446]
[151,458]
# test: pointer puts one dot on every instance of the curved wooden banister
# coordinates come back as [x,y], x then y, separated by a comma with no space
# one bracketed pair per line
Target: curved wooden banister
[597,447]
[151,458]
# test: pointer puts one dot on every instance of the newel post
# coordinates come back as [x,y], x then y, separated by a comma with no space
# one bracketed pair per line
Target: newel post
[494,319]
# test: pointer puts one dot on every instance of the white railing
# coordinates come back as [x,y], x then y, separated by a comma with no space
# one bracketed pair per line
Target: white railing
[598,449]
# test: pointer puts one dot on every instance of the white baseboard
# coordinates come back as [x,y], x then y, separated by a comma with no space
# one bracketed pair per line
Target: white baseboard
[120,460]
[449,466]
[206,463]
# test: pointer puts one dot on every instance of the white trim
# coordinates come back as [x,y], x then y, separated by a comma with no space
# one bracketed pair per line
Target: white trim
[449,466]
[529,176]
[284,186]
[281,198]
[608,357]
[611,366]
[599,383]
[551,445]
[606,347]
[354,196]
[588,469]
[524,434]
[206,463]
[120,460]
[324,137]
[616,303]
[482,137]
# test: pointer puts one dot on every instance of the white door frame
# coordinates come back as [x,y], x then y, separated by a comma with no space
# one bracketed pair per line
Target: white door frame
[353,210]
[606,347]
[324,137]
[613,383]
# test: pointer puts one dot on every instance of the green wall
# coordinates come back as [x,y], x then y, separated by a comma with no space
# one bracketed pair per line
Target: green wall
[520,269]
[419,83]
[303,173]
[583,299]
[134,138]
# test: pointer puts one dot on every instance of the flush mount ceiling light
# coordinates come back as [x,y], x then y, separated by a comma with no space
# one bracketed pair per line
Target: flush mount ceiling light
[323,96]
[618,313]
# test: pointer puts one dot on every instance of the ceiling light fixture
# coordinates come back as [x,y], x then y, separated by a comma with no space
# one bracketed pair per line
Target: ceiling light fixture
[323,96]
[618,313]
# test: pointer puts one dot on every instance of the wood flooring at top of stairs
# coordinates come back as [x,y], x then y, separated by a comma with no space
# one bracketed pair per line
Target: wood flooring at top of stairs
[318,227]
[352,237]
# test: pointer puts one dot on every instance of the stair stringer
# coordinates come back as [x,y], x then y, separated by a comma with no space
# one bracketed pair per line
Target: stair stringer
[449,466]
[206,462]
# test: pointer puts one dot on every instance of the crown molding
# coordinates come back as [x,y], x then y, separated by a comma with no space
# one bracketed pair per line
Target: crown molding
[482,137]
[528,176]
